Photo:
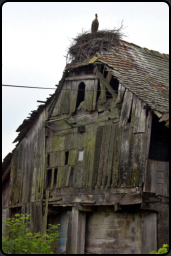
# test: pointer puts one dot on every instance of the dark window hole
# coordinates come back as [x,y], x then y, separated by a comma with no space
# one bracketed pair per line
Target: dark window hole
[48,160]
[81,94]
[49,178]
[66,157]
[159,141]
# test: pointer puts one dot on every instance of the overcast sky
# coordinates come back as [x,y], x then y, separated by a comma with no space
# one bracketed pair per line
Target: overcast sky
[35,37]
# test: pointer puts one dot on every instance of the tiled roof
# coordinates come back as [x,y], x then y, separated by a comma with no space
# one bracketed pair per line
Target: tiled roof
[144,72]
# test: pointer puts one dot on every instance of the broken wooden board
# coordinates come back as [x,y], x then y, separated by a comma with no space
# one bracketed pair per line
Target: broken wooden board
[121,92]
[138,115]
[105,83]
[126,108]
[124,167]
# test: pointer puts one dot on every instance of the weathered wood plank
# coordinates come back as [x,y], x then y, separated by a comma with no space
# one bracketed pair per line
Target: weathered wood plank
[97,151]
[102,155]
[72,157]
[138,147]
[110,155]
[46,211]
[75,231]
[149,233]
[87,77]
[59,177]
[94,94]
[65,100]
[124,167]
[157,177]
[106,146]
[82,227]
[126,108]
[116,145]
[92,142]
[102,97]
[88,100]
[73,96]
[121,92]
[139,116]
[166,180]
[109,77]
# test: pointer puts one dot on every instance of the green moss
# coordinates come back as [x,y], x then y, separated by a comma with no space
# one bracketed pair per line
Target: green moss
[58,143]
[134,180]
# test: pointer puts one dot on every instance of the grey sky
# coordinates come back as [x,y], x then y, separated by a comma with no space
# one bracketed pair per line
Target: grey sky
[35,37]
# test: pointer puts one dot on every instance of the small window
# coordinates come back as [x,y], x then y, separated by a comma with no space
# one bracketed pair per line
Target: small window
[114,83]
[81,94]
[66,157]
[48,160]
[55,176]
[80,155]
[49,178]
[159,141]
[14,211]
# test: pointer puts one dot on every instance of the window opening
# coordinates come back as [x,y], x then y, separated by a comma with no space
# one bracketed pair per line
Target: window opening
[105,72]
[14,211]
[66,157]
[159,141]
[70,182]
[48,160]
[49,178]
[80,155]
[55,176]
[114,83]
[129,119]
[81,94]
[98,90]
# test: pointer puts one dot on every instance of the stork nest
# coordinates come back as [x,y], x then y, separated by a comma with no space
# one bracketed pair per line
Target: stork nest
[86,45]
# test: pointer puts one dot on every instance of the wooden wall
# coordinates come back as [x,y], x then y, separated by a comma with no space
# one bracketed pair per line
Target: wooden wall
[114,135]
[102,146]
[28,165]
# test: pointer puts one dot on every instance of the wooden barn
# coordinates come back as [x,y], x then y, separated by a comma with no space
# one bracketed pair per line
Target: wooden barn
[95,158]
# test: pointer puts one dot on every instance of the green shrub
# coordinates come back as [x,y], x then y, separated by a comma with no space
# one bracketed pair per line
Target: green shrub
[162,250]
[18,239]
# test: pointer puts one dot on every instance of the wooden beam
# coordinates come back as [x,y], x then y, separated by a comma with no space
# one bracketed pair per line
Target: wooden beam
[104,82]
[78,232]
[149,232]
[80,78]
[85,208]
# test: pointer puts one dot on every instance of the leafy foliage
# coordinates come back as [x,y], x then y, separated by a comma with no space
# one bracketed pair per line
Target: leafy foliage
[18,239]
[162,250]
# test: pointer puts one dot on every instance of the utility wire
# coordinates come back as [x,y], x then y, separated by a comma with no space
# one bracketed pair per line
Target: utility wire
[66,89]
[27,86]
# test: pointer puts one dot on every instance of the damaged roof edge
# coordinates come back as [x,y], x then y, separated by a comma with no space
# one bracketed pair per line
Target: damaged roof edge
[28,123]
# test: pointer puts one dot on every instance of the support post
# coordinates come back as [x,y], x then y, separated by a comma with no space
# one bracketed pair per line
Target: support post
[78,231]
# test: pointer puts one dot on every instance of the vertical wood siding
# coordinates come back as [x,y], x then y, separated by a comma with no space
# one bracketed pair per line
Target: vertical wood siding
[28,165]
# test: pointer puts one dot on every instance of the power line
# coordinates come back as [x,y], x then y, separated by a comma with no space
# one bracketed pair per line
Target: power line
[27,86]
[63,89]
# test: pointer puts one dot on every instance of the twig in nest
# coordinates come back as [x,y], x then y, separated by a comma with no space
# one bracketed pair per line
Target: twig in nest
[85,45]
